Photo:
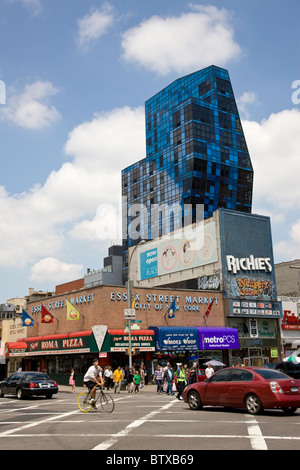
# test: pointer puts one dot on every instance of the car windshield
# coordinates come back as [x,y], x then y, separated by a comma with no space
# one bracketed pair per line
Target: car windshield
[271,374]
[36,377]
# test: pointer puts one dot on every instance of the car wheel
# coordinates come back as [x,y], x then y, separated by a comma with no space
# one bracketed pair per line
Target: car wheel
[49,395]
[289,411]
[19,394]
[253,404]
[1,393]
[194,400]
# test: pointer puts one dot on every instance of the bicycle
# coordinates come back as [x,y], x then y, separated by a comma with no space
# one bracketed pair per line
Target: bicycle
[106,401]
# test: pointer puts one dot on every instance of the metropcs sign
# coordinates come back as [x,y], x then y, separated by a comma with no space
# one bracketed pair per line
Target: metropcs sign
[248,264]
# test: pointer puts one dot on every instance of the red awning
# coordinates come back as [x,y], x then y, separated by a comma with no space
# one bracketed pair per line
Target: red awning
[135,332]
[58,336]
[17,345]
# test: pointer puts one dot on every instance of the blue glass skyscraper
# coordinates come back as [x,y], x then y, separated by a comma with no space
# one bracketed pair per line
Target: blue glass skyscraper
[196,153]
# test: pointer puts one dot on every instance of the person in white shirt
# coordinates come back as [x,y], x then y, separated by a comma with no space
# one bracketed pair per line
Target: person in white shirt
[209,371]
[92,378]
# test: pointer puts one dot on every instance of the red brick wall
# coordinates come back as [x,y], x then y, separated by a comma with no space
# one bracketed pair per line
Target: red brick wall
[69,286]
[104,305]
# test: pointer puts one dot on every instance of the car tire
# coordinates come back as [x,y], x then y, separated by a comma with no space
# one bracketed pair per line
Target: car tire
[1,393]
[253,404]
[20,394]
[48,395]
[194,400]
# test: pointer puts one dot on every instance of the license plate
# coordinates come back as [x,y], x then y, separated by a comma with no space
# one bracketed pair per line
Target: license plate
[44,385]
[294,389]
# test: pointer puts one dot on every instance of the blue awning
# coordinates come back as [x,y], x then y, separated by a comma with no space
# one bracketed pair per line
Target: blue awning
[184,338]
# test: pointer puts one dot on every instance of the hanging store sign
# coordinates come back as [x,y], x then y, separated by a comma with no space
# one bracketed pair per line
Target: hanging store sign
[119,342]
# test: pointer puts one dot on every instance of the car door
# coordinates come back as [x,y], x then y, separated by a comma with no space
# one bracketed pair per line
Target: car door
[216,389]
[240,380]
[12,383]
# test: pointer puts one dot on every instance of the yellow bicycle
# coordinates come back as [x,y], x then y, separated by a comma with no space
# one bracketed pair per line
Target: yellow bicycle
[106,401]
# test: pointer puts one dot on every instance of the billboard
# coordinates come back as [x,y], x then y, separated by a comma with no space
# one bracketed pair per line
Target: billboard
[178,251]
[247,256]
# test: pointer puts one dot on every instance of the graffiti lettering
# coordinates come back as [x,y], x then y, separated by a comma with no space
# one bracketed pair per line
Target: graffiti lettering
[253,287]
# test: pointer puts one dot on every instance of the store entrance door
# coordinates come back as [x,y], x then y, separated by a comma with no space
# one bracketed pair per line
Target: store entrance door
[255,358]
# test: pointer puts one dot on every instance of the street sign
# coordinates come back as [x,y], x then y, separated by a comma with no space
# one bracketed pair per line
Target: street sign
[129,313]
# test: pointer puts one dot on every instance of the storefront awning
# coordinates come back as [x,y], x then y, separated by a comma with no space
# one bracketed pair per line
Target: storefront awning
[70,343]
[195,338]
[15,349]
[118,340]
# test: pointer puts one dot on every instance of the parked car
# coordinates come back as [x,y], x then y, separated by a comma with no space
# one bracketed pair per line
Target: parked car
[27,384]
[289,368]
[253,388]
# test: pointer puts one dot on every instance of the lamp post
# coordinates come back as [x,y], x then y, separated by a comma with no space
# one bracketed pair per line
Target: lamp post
[129,285]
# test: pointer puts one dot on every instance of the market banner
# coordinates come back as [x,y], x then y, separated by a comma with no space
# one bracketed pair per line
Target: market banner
[27,320]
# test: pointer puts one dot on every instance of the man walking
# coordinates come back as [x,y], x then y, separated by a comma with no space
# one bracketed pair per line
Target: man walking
[118,376]
[180,374]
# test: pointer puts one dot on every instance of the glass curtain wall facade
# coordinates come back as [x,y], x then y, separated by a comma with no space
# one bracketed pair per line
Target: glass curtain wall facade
[196,153]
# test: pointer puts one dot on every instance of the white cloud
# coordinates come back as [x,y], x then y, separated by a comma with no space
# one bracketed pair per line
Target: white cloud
[193,40]
[274,147]
[109,142]
[54,270]
[32,5]
[94,25]
[247,98]
[30,109]
[46,219]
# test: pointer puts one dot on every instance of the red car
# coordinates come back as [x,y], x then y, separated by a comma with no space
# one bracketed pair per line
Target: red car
[253,388]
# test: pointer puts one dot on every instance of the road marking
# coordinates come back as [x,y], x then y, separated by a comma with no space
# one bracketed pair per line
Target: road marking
[37,423]
[110,442]
[256,438]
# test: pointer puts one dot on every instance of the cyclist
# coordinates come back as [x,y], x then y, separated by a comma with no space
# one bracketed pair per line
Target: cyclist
[91,379]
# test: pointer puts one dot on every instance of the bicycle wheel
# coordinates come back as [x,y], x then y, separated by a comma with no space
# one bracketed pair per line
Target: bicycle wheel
[83,402]
[107,402]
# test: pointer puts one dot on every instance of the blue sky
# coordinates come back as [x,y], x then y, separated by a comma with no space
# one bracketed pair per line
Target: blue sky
[77,75]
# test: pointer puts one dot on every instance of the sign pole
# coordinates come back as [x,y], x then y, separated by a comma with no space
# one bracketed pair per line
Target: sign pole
[129,325]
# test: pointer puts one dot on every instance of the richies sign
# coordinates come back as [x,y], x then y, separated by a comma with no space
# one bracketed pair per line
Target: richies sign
[247,256]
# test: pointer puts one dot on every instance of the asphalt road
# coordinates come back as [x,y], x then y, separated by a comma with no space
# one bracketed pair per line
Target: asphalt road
[145,421]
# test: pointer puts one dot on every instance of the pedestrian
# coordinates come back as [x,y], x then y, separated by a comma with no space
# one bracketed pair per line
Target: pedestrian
[209,371]
[180,374]
[193,374]
[159,375]
[72,379]
[137,381]
[168,379]
[187,372]
[142,374]
[108,373]
[118,376]
[130,381]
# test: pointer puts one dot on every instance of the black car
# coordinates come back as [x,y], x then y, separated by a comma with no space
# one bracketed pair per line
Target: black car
[289,368]
[28,384]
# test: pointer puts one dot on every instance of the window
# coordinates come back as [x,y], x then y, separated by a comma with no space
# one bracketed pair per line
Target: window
[271,374]
[240,375]
[221,376]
